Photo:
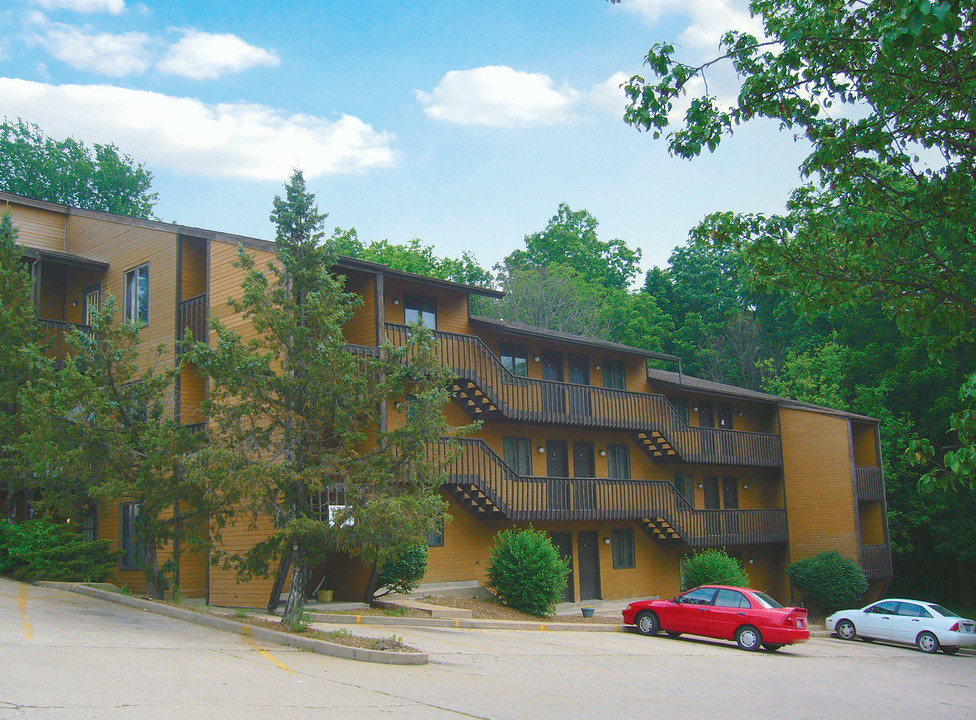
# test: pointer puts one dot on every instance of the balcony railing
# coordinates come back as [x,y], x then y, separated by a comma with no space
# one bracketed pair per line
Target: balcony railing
[192,314]
[545,401]
[52,336]
[876,561]
[520,498]
[869,483]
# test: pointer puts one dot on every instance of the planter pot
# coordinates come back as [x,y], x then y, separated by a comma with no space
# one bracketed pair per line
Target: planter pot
[325,595]
[587,612]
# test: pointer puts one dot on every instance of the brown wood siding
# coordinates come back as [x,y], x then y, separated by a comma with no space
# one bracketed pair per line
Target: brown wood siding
[225,283]
[872,523]
[52,292]
[126,247]
[361,329]
[238,538]
[193,268]
[819,487]
[865,444]
[76,282]
[193,391]
[452,306]
[41,229]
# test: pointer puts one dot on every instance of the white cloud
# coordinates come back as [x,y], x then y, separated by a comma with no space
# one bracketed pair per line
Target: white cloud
[709,19]
[84,6]
[206,56]
[112,55]
[498,96]
[609,95]
[222,140]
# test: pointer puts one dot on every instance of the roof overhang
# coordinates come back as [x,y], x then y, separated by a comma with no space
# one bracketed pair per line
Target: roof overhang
[60,258]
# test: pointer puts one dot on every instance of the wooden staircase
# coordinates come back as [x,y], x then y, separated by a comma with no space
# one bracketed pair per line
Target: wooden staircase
[479,502]
[473,399]
[660,529]
[656,445]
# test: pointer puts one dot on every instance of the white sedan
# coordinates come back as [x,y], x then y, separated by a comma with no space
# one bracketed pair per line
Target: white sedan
[924,624]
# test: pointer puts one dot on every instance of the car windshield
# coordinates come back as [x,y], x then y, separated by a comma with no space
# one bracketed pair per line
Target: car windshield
[765,599]
[943,611]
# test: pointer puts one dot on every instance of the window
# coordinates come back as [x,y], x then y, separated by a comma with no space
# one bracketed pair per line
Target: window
[680,405]
[888,607]
[731,599]
[435,538]
[515,359]
[614,374]
[618,461]
[913,610]
[624,554]
[89,523]
[133,552]
[518,455]
[685,485]
[137,295]
[420,308]
[698,596]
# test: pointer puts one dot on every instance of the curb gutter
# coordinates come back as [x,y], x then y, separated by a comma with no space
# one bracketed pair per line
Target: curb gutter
[322,647]
[466,623]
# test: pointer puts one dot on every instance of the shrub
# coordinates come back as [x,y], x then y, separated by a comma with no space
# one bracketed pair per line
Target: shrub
[526,572]
[41,550]
[712,567]
[829,581]
[403,571]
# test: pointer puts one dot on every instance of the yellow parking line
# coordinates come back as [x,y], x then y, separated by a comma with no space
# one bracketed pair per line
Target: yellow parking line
[25,621]
[265,653]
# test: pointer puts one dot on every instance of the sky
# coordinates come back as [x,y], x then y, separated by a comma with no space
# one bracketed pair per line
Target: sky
[464,124]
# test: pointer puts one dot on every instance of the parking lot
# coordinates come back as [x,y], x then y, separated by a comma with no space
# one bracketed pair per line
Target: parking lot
[67,656]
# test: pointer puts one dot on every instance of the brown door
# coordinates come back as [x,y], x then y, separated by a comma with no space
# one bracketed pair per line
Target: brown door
[580,402]
[557,466]
[554,396]
[584,466]
[589,564]
[730,501]
[724,416]
[706,414]
[564,544]
[711,493]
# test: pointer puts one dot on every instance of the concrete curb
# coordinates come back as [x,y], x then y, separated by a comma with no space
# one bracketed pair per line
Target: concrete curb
[463,623]
[206,619]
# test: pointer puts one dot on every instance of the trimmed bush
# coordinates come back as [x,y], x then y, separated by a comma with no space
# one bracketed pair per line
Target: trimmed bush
[41,550]
[829,581]
[526,572]
[403,572]
[712,567]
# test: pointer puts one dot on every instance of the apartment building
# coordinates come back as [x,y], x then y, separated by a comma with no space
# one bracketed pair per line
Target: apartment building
[625,461]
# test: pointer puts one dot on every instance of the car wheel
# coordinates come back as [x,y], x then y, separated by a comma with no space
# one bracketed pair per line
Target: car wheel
[772,647]
[845,630]
[648,623]
[950,650]
[672,633]
[748,638]
[927,642]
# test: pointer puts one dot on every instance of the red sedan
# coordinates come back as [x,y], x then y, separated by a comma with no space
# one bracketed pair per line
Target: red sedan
[749,617]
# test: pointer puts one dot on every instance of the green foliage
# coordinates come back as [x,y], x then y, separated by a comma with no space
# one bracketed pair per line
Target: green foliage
[106,422]
[41,550]
[829,581]
[526,571]
[402,572]
[67,171]
[712,567]
[292,410]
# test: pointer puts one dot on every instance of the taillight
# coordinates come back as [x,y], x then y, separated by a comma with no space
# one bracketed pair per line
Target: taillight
[954,628]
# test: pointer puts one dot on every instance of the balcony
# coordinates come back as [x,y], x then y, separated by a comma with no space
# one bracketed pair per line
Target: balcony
[483,482]
[876,561]
[869,483]
[488,390]
[53,338]
[192,314]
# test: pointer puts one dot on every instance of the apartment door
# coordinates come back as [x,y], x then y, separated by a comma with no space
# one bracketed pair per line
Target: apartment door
[564,544]
[730,501]
[725,421]
[706,419]
[584,466]
[580,402]
[713,500]
[93,300]
[554,396]
[557,466]
[588,543]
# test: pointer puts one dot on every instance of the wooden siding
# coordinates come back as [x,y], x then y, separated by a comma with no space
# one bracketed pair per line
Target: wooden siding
[225,283]
[865,444]
[52,300]
[361,329]
[41,229]
[126,247]
[819,484]
[452,305]
[193,391]
[193,268]
[872,523]
[238,538]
